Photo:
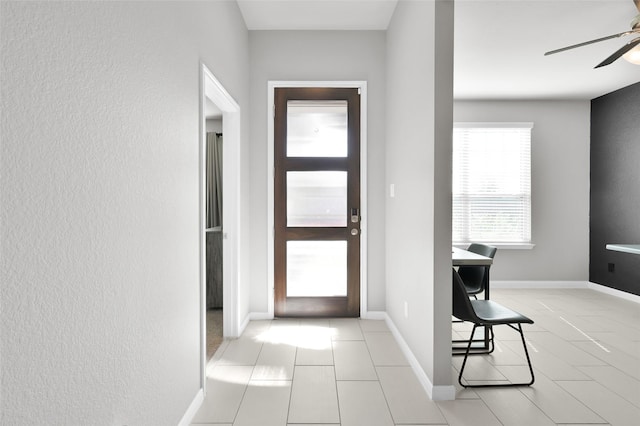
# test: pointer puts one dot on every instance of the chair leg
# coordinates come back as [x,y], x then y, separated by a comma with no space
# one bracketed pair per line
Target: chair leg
[526,352]
[488,347]
[466,355]
[491,338]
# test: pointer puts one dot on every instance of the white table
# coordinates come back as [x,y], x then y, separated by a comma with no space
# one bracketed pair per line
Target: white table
[462,257]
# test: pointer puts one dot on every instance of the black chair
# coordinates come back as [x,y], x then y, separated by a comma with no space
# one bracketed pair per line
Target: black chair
[476,278]
[486,313]
[476,281]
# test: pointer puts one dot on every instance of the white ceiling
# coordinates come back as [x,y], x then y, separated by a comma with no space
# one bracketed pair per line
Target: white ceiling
[499,44]
[317,14]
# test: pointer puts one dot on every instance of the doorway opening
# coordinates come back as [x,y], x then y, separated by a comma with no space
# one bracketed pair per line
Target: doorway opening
[317,202]
[304,178]
[219,214]
[214,225]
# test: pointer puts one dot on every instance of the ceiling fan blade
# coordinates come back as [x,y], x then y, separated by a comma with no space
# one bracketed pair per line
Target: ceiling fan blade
[637,2]
[585,43]
[618,53]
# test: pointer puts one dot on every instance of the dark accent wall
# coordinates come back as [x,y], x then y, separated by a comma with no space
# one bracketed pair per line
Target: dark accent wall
[615,188]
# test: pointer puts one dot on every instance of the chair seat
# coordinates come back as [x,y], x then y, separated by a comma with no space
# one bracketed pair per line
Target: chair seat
[494,313]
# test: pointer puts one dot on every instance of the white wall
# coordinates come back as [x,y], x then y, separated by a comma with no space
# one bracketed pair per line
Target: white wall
[100,216]
[418,222]
[318,56]
[559,187]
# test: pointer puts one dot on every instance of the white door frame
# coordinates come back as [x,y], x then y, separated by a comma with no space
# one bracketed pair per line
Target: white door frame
[362,86]
[211,88]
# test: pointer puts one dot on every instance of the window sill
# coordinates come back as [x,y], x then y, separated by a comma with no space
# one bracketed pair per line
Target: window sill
[501,246]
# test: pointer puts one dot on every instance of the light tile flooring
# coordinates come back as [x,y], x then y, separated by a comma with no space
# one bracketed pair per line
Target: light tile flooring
[585,348]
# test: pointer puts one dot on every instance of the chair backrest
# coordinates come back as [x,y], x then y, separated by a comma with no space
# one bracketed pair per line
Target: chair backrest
[482,249]
[462,308]
[474,277]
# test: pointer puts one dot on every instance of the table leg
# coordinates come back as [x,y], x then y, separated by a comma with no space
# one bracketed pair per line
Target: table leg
[487,337]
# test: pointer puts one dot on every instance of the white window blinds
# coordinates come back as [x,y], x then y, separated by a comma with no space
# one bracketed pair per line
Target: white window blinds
[492,182]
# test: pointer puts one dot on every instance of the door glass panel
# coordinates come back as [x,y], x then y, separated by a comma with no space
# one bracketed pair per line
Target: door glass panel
[316,268]
[316,199]
[317,129]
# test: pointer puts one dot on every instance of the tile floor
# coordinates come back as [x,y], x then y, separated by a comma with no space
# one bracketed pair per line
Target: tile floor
[584,345]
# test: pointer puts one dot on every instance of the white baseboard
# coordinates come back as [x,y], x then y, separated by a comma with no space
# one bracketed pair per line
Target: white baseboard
[193,409]
[254,316]
[566,284]
[436,393]
[538,284]
[374,315]
[613,292]
[260,316]
[443,393]
[243,325]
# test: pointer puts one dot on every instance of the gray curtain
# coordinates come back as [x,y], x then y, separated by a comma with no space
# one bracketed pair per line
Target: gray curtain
[214,180]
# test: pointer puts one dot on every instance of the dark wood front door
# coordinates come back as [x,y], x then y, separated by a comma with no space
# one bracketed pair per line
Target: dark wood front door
[317,202]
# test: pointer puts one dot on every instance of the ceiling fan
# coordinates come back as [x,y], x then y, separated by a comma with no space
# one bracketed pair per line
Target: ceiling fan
[631,50]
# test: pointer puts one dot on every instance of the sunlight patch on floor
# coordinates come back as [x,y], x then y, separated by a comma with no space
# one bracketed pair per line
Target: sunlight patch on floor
[301,336]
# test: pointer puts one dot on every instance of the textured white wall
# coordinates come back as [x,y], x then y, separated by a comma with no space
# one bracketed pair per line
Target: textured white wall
[99,231]
[318,56]
[559,188]
[418,163]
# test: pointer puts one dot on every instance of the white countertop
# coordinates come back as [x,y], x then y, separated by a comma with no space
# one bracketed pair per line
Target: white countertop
[625,248]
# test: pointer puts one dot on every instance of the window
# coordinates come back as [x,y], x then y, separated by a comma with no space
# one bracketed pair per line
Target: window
[492,183]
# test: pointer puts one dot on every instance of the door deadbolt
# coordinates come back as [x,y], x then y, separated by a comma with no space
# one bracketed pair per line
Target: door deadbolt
[355,217]
[354,231]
